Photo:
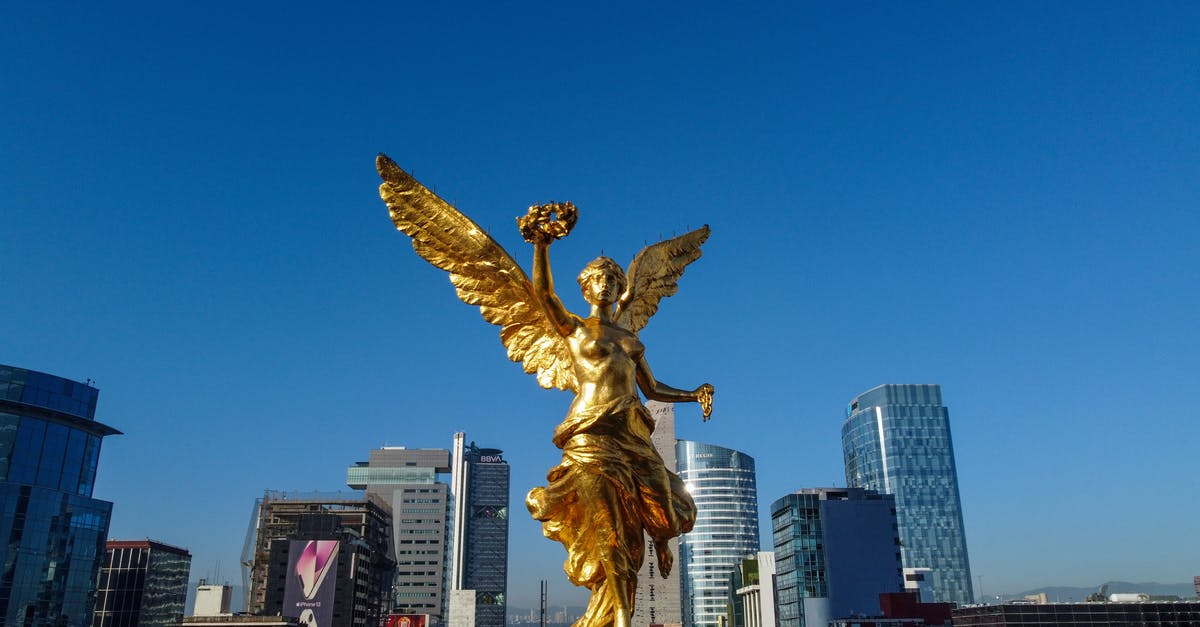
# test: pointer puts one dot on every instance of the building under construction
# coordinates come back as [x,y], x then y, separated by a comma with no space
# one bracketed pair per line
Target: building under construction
[319,553]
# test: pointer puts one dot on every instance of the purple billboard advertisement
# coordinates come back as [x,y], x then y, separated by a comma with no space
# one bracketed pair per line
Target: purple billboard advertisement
[312,571]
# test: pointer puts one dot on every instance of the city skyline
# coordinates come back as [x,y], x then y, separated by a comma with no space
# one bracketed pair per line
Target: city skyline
[999,200]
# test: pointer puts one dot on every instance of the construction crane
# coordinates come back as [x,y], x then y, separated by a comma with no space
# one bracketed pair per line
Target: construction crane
[1100,596]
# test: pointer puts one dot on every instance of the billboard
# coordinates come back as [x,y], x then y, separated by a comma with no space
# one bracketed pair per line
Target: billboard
[311,579]
[405,620]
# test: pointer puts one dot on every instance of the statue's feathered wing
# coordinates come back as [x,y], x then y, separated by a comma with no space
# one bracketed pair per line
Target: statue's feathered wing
[482,272]
[654,274]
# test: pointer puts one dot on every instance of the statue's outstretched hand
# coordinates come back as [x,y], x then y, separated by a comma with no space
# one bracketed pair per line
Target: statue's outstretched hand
[704,396]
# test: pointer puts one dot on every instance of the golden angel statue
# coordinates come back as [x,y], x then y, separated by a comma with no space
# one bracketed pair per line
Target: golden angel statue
[611,485]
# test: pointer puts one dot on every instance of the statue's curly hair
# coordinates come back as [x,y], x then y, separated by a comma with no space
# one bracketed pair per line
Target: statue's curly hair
[602,264]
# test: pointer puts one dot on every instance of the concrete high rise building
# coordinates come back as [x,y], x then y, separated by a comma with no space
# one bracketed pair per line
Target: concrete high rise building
[53,530]
[142,584]
[318,557]
[896,440]
[722,482]
[836,551]
[213,600]
[408,480]
[657,600]
[479,549]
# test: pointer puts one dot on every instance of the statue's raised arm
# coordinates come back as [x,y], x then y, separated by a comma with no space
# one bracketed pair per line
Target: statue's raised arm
[541,226]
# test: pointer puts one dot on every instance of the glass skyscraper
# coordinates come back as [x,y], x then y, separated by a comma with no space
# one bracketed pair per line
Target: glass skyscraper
[896,440]
[54,530]
[143,583]
[479,563]
[722,482]
[836,550]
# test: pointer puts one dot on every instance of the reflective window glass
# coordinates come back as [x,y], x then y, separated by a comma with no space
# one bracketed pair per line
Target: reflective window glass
[28,451]
[73,461]
[91,454]
[8,441]
[54,447]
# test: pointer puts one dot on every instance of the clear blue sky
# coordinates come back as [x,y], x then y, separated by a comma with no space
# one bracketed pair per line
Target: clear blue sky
[1000,198]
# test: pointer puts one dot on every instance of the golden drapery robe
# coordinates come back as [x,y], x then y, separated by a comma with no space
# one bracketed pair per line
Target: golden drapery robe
[610,486]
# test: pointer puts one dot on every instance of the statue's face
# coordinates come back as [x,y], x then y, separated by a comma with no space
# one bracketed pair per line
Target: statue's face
[602,289]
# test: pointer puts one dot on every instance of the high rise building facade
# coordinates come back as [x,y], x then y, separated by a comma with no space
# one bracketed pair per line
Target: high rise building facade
[836,551]
[657,599]
[54,530]
[753,601]
[322,558]
[213,600]
[142,584]
[479,563]
[919,581]
[408,480]
[896,440]
[723,484]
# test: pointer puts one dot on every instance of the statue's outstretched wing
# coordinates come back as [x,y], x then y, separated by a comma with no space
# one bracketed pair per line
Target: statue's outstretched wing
[482,272]
[653,274]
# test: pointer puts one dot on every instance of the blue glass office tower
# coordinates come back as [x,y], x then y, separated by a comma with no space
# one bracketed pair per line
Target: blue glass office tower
[896,440]
[836,550]
[722,482]
[480,546]
[52,532]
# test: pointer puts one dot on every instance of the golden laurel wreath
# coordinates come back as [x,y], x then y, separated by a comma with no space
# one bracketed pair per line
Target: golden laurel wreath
[548,221]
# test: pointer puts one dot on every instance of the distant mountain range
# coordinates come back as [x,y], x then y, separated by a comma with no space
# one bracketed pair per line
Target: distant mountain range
[1065,594]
